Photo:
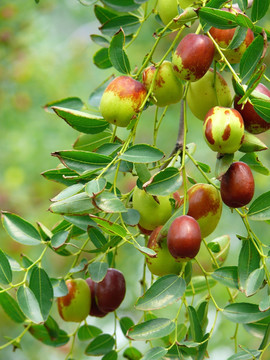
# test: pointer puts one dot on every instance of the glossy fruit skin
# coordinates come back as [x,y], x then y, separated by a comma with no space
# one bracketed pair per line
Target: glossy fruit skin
[152,214]
[205,206]
[224,36]
[253,122]
[76,304]
[122,100]
[167,89]
[167,10]
[223,129]
[184,238]
[164,263]
[94,310]
[203,94]
[193,57]
[237,185]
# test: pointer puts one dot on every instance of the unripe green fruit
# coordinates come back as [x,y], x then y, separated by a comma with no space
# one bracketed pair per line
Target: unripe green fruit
[223,129]
[193,57]
[168,10]
[164,263]
[76,304]
[152,213]
[167,87]
[121,100]
[208,92]
[205,206]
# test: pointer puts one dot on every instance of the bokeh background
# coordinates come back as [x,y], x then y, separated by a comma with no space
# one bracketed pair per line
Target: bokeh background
[45,55]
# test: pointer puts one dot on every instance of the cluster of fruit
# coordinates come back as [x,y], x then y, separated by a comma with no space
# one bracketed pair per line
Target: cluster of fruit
[87,297]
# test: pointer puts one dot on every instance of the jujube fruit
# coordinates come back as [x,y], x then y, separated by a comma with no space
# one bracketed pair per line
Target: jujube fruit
[253,122]
[152,213]
[94,310]
[76,304]
[164,263]
[108,293]
[223,37]
[237,185]
[223,129]
[205,206]
[121,100]
[193,57]
[207,92]
[184,238]
[167,88]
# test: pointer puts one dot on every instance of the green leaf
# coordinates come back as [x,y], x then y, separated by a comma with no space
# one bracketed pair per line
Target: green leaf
[49,333]
[195,326]
[238,37]
[80,267]
[5,269]
[244,313]
[101,345]
[11,307]
[254,281]
[132,353]
[155,353]
[151,329]
[222,164]
[59,287]
[142,153]
[126,323]
[69,103]
[260,208]
[227,275]
[61,175]
[29,304]
[112,355]
[218,18]
[59,239]
[82,161]
[90,142]
[101,59]
[259,9]
[122,6]
[87,332]
[117,54]
[100,40]
[251,57]
[76,204]
[262,107]
[81,222]
[95,96]
[248,261]
[82,121]
[199,285]
[104,14]
[97,270]
[129,24]
[142,172]
[109,203]
[243,355]
[110,228]
[165,291]
[20,230]
[165,182]
[69,191]
[131,217]
[97,238]
[41,287]
[258,328]
[242,4]
[252,160]
[95,187]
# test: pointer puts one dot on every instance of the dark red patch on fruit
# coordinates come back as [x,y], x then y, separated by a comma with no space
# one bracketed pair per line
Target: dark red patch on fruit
[249,38]
[226,133]
[252,121]
[237,185]
[208,131]
[202,202]
[184,237]
[197,53]
[127,87]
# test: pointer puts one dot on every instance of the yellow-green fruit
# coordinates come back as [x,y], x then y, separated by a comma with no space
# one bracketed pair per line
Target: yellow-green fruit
[152,213]
[223,129]
[164,263]
[207,92]
[75,306]
[186,3]
[167,10]
[121,100]
[167,87]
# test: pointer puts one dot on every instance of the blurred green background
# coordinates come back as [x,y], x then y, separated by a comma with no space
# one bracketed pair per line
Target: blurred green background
[46,55]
